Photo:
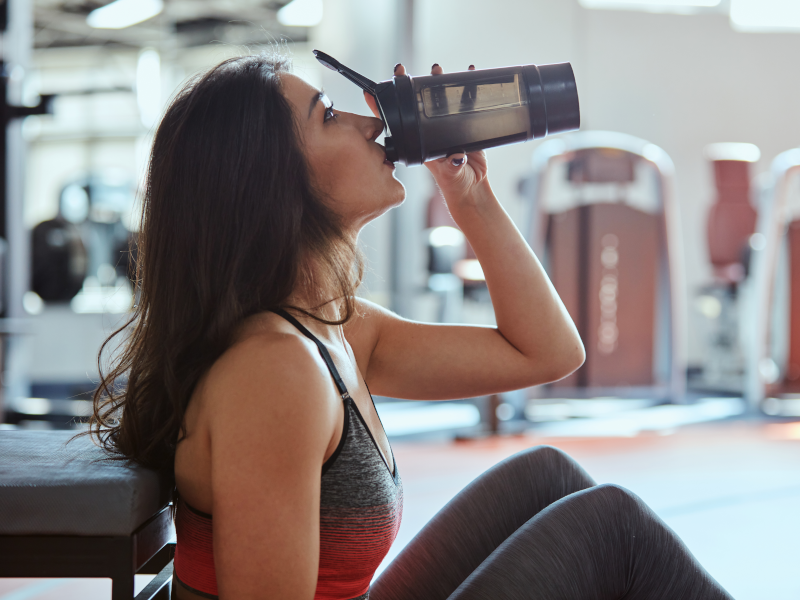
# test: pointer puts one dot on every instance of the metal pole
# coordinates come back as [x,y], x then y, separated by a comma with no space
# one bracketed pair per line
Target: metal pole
[402,225]
[17,44]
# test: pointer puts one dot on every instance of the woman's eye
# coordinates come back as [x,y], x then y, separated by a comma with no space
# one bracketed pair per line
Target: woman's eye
[329,114]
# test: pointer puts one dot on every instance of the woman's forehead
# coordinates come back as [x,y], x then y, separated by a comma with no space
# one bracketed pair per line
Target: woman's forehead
[296,89]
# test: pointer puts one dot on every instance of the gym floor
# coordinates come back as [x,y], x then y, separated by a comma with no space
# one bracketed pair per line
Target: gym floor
[729,488]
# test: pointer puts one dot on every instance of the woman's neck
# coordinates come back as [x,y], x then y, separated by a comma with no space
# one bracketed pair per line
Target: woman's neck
[329,311]
[329,334]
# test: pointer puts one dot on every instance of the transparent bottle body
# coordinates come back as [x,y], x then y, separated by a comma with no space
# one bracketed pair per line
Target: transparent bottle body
[471,110]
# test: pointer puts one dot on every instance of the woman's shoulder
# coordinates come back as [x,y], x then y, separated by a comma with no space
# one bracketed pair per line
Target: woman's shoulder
[268,372]
[265,396]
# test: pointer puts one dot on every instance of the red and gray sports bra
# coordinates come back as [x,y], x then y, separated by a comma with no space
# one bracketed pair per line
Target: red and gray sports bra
[360,511]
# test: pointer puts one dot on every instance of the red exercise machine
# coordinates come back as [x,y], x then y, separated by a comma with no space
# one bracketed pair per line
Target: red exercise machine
[605,224]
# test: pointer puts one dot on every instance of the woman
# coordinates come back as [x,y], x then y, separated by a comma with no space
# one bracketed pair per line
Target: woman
[249,358]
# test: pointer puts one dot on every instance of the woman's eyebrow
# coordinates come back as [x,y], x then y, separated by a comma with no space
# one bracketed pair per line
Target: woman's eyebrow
[316,98]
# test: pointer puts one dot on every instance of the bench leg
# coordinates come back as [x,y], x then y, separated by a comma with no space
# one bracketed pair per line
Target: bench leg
[122,586]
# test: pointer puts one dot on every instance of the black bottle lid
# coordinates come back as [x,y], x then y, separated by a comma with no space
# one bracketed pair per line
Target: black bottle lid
[560,97]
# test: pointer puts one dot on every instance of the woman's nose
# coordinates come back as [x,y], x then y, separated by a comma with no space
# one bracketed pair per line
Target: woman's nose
[374,128]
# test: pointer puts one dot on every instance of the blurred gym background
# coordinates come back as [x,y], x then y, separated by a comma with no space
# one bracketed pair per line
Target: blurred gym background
[670,225]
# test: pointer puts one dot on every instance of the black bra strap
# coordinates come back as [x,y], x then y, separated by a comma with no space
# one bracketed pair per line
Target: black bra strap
[322,350]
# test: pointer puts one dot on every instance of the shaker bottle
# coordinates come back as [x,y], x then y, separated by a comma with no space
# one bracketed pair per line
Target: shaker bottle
[437,115]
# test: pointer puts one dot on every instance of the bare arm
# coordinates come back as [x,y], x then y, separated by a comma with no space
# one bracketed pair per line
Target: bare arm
[535,340]
[269,431]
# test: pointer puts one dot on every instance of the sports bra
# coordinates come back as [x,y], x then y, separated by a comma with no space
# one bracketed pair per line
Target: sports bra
[361,507]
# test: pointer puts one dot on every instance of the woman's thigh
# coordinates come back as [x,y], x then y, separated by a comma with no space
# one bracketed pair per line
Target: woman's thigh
[603,543]
[476,521]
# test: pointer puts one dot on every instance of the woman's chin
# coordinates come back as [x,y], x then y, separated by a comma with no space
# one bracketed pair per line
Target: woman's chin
[394,202]
[401,195]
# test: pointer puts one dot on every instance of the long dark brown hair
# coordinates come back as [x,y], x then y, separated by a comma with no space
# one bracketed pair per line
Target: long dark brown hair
[231,224]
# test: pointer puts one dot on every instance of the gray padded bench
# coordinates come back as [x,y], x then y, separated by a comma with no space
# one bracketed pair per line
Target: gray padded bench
[63,513]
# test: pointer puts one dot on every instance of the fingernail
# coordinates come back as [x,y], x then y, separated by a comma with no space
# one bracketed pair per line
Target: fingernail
[457,162]
[472,67]
[397,65]
[434,66]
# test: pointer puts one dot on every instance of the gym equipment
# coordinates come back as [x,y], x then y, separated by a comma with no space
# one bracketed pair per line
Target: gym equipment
[59,260]
[67,512]
[730,224]
[772,326]
[605,224]
[446,246]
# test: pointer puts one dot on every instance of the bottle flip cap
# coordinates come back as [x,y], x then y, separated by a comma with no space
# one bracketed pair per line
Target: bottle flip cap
[385,97]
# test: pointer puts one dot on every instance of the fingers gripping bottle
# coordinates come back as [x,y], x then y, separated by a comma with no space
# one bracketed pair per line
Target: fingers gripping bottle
[437,115]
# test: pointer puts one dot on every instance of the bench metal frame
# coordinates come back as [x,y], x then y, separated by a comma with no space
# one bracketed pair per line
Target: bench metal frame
[147,551]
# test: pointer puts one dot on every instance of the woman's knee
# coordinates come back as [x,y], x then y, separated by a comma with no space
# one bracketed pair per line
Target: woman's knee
[547,459]
[542,474]
[603,512]
[611,492]
[612,498]
[542,456]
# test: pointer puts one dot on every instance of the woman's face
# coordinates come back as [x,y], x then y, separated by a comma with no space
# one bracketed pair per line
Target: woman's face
[347,165]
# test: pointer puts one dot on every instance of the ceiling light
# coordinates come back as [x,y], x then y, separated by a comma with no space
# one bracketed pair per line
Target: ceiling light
[765,15]
[301,13]
[124,13]
[650,5]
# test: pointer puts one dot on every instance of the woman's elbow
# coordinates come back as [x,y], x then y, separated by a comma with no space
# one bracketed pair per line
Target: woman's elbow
[569,361]
[579,356]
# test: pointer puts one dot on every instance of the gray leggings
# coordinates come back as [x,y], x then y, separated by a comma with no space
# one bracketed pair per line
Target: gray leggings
[537,527]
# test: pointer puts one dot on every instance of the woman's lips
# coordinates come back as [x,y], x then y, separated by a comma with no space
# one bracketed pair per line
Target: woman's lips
[386,160]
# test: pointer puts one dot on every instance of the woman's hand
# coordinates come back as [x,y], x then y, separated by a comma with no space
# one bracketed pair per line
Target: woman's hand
[463,178]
